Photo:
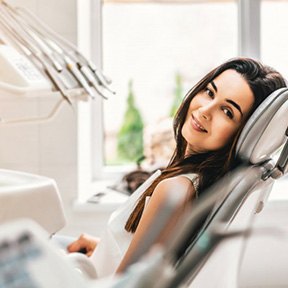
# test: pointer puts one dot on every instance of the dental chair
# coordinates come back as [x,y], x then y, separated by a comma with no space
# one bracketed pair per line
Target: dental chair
[25,195]
[210,260]
[226,211]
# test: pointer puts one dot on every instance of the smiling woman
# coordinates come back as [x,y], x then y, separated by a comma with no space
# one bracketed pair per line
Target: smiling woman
[211,153]
[206,127]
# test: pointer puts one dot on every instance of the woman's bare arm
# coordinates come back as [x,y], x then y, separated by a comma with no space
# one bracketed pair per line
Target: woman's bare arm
[186,192]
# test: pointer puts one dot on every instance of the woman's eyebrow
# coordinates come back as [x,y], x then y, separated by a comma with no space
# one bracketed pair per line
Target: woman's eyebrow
[213,85]
[235,105]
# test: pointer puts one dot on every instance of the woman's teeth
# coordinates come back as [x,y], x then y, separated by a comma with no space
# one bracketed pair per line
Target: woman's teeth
[200,127]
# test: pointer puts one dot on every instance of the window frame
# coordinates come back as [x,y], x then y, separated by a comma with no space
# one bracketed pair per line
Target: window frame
[92,172]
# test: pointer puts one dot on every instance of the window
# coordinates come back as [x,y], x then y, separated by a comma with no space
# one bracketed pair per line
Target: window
[274,44]
[161,46]
[158,50]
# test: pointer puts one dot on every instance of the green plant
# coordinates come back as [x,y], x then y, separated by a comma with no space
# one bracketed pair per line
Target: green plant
[178,95]
[130,136]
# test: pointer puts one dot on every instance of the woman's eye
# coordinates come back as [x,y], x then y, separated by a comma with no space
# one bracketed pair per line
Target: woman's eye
[209,92]
[228,113]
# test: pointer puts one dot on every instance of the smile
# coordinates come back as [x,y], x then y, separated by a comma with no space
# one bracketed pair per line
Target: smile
[196,125]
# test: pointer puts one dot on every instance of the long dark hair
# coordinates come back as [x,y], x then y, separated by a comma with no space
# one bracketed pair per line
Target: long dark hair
[210,166]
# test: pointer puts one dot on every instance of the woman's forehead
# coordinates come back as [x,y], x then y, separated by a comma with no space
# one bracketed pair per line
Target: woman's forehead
[233,86]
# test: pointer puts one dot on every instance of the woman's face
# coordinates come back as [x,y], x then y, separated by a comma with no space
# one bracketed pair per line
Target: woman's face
[215,114]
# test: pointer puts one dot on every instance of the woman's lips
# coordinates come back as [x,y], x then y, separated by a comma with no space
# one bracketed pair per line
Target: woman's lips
[196,125]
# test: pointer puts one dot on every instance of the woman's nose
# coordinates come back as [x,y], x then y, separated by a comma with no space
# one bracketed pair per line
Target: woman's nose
[205,112]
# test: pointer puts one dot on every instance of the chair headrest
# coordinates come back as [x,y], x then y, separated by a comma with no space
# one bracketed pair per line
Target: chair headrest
[264,132]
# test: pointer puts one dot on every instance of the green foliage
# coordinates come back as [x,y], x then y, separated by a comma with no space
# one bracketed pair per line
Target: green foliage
[130,136]
[178,95]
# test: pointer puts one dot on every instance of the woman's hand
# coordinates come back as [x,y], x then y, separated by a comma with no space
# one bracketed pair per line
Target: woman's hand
[85,244]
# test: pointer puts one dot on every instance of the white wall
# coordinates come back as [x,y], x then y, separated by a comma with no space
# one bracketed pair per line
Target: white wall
[44,148]
[49,148]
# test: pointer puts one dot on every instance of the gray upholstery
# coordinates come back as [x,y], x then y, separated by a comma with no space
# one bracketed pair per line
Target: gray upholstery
[263,132]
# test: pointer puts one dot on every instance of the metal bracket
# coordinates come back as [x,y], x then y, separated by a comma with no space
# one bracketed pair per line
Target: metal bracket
[281,166]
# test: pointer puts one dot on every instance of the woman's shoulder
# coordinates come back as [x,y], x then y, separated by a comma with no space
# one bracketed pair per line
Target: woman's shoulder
[193,178]
[179,183]
[182,179]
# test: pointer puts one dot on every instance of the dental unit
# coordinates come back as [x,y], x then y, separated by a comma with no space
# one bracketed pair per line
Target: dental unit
[59,61]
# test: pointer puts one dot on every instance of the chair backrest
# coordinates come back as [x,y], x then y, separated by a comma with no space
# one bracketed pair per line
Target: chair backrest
[238,197]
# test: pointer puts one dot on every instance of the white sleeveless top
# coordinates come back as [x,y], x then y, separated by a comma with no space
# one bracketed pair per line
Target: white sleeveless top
[116,240]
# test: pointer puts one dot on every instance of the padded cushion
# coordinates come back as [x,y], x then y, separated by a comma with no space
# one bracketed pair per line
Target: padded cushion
[264,131]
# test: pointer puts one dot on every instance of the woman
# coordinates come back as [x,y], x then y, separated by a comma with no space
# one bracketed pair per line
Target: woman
[207,127]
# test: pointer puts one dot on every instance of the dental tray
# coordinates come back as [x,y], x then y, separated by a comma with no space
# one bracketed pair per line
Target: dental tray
[24,195]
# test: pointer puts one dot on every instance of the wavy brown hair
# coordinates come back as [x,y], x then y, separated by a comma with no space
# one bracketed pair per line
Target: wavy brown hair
[210,166]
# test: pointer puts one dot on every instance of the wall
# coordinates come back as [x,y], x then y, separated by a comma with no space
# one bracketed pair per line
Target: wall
[49,148]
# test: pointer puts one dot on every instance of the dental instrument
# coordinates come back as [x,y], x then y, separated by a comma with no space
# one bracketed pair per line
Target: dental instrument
[65,67]
[43,30]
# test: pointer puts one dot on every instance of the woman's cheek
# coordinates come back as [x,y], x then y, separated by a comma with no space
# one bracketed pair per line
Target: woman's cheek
[225,134]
